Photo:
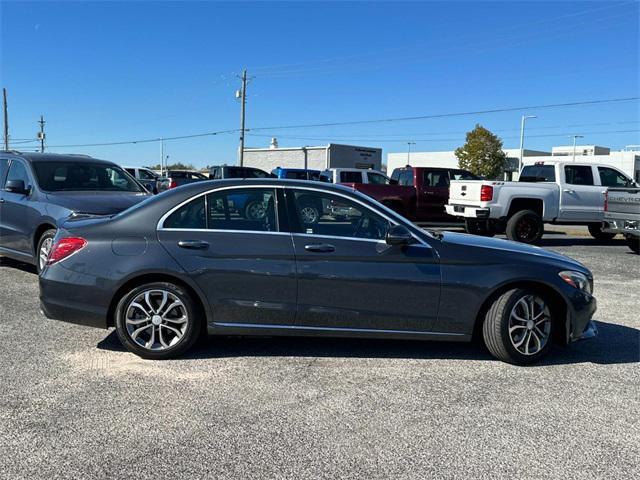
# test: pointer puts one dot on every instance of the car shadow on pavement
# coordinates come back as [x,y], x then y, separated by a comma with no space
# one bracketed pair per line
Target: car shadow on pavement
[25,267]
[615,344]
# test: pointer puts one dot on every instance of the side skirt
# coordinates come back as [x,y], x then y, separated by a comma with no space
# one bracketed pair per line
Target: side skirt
[218,328]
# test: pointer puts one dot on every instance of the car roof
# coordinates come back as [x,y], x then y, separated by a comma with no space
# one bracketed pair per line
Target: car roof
[57,157]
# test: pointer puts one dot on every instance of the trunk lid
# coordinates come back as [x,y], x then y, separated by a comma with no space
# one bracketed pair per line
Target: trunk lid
[463,192]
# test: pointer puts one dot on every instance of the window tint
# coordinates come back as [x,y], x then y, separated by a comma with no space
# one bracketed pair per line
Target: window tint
[326,177]
[4,166]
[175,174]
[131,171]
[406,177]
[612,178]
[332,215]
[350,177]
[145,174]
[436,178]
[299,175]
[191,215]
[538,173]
[578,174]
[462,175]
[76,176]
[377,178]
[17,171]
[251,209]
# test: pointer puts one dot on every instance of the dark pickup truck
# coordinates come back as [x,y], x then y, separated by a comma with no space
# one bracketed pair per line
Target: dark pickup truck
[418,193]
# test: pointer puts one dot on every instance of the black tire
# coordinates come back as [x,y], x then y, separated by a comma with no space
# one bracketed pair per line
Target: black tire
[45,239]
[190,333]
[475,227]
[525,226]
[595,230]
[496,328]
[634,244]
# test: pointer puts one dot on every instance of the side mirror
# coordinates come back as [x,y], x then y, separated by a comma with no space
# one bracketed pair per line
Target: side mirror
[399,235]
[16,186]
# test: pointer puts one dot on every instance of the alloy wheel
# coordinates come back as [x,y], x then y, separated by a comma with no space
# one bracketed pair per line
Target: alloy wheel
[256,211]
[45,250]
[529,325]
[309,215]
[156,319]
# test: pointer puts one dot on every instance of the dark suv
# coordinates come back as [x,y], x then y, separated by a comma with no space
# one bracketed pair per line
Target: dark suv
[37,190]
[230,171]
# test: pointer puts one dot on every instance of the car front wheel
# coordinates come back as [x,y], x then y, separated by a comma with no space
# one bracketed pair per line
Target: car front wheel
[518,327]
[157,321]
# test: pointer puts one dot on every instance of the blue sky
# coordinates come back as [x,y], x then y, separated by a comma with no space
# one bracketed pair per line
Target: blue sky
[103,72]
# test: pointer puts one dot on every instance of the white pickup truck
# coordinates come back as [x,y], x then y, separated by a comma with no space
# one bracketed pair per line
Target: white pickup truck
[553,191]
[622,215]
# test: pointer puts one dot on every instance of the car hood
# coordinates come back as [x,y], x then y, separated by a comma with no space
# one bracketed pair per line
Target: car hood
[96,203]
[510,247]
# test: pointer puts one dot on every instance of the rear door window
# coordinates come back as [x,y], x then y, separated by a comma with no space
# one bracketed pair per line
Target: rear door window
[17,171]
[578,175]
[406,177]
[436,178]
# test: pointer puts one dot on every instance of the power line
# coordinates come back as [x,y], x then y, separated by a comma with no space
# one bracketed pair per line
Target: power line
[448,115]
[357,122]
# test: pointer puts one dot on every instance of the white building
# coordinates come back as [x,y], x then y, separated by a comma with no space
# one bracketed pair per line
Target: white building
[627,161]
[580,150]
[314,158]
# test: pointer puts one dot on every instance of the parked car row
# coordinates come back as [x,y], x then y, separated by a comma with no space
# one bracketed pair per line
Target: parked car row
[553,191]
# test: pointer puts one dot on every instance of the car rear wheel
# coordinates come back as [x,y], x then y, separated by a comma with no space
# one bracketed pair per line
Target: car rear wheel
[518,327]
[44,248]
[157,321]
[634,243]
[595,230]
[525,226]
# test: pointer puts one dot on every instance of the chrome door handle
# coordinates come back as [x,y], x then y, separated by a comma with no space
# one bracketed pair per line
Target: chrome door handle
[567,190]
[193,244]
[320,248]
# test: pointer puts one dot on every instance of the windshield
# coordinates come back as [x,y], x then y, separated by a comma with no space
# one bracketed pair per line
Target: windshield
[76,176]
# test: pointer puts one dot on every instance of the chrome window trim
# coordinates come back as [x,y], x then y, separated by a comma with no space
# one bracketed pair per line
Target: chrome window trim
[380,211]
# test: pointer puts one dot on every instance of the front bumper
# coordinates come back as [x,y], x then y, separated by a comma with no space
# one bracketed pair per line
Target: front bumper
[467,211]
[581,325]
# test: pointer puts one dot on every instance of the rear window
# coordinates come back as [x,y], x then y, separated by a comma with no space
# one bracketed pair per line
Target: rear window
[435,178]
[463,175]
[350,177]
[244,172]
[538,173]
[76,176]
[296,175]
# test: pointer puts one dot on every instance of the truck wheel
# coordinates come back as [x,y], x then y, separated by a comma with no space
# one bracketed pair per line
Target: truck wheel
[595,229]
[634,244]
[475,227]
[525,226]
[518,327]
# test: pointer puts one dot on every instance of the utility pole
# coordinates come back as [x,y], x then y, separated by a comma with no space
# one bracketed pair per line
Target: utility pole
[242,94]
[6,119]
[524,119]
[161,157]
[574,145]
[409,152]
[41,135]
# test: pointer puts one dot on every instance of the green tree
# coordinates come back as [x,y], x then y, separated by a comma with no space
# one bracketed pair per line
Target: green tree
[482,153]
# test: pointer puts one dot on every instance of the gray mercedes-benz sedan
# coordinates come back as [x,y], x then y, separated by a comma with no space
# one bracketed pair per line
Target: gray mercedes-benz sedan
[188,262]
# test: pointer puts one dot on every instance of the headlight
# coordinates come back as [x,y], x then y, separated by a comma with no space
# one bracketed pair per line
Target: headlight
[577,280]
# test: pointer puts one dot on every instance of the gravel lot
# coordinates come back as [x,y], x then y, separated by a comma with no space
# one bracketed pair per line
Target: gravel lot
[73,404]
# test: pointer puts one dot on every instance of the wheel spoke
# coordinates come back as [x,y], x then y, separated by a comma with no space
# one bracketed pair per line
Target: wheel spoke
[137,322]
[174,330]
[516,327]
[137,332]
[140,307]
[164,344]
[169,308]
[534,335]
[147,299]
[518,318]
[178,321]
[165,297]
[152,340]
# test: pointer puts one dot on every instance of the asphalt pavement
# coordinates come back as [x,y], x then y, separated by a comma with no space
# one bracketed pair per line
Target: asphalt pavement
[74,404]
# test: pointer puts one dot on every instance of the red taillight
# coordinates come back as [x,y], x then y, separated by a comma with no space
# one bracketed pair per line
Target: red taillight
[65,247]
[173,184]
[606,201]
[486,193]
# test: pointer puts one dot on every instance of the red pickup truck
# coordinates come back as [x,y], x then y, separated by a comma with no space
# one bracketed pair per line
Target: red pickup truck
[418,193]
